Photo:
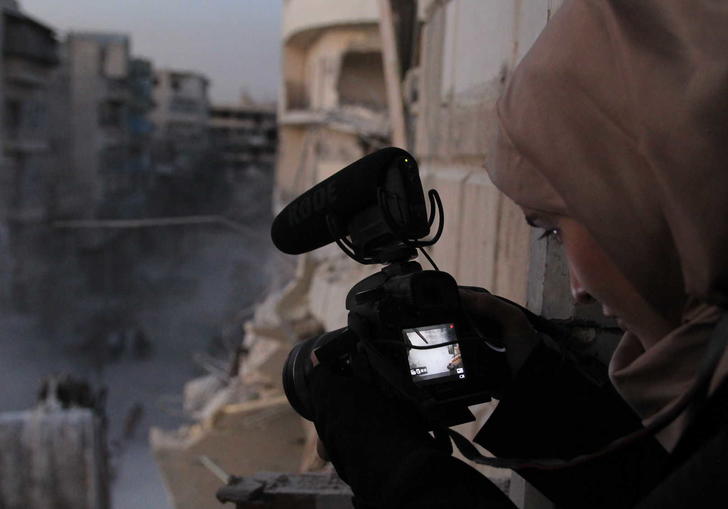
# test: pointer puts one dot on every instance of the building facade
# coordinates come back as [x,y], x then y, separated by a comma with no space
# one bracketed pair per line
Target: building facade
[97,67]
[180,118]
[29,61]
[141,129]
[244,138]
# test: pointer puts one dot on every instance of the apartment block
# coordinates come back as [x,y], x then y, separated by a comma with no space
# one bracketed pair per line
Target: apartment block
[180,118]
[29,59]
[98,69]
[244,138]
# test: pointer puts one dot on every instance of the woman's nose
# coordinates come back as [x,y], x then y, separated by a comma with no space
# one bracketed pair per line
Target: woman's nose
[578,292]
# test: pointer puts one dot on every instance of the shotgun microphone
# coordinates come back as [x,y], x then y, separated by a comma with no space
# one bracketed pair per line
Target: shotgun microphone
[365,200]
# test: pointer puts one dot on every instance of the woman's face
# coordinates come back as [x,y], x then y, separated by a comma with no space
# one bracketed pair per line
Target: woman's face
[594,276]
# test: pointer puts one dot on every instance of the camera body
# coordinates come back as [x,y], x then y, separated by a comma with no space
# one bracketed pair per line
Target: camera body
[405,325]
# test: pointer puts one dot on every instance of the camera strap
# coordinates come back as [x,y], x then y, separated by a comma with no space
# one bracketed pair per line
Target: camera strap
[696,396]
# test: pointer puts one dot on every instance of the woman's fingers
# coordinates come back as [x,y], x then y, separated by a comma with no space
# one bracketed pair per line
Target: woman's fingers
[515,331]
[484,306]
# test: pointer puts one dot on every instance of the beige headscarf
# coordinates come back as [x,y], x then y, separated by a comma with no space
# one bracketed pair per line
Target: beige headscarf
[618,118]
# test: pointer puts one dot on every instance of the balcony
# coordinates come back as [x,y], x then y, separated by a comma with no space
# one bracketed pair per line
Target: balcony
[26,73]
[305,15]
[25,126]
[27,39]
[350,119]
[118,89]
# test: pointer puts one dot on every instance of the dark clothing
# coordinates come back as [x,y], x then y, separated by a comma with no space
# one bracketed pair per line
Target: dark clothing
[552,410]
[697,471]
[380,448]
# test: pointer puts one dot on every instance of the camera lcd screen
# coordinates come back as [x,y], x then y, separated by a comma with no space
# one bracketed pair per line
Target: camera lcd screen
[432,363]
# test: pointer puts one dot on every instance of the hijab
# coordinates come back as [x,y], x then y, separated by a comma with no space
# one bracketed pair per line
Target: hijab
[618,118]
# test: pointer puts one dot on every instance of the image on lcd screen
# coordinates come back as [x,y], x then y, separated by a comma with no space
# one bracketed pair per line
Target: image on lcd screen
[441,362]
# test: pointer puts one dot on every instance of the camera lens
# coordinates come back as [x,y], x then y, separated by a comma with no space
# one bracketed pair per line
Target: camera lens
[296,373]
[295,368]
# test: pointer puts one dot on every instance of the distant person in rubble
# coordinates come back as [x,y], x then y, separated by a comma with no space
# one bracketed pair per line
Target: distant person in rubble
[614,140]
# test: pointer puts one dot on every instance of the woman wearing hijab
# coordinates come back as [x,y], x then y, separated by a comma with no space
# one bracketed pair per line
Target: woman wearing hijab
[613,138]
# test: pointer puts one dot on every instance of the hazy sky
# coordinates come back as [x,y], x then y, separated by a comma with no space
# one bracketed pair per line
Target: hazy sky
[235,43]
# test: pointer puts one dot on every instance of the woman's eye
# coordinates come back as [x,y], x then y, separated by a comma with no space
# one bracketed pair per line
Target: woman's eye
[550,232]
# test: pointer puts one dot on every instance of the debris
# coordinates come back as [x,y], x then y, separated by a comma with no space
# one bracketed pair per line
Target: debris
[216,470]
[263,434]
[268,490]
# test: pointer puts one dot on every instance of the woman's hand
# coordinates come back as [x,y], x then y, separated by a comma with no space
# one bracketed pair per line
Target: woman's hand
[364,431]
[380,446]
[504,320]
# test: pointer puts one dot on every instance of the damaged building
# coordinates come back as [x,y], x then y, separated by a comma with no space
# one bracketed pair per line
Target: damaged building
[333,106]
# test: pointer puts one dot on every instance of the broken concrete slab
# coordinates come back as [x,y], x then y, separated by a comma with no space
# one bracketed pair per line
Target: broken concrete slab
[244,438]
[275,490]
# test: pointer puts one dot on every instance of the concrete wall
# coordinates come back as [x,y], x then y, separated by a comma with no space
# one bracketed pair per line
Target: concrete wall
[84,57]
[468,49]
[359,84]
[97,68]
[53,459]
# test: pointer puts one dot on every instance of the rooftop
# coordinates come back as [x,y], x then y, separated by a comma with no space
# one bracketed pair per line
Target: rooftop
[101,37]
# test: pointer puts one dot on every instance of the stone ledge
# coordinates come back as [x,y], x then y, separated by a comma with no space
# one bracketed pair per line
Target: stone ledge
[303,491]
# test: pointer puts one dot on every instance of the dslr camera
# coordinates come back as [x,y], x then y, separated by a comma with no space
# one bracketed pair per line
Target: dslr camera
[406,325]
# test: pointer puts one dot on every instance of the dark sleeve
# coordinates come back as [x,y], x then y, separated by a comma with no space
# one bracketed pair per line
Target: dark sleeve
[417,477]
[381,448]
[553,410]
[429,479]
[698,482]
[699,463]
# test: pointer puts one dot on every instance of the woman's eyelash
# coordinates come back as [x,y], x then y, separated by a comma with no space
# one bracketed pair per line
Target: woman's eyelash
[549,232]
